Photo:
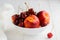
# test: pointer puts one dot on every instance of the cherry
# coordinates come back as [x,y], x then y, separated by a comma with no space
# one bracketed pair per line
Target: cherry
[21,24]
[49,35]
[14,17]
[16,22]
[31,11]
[27,13]
[23,15]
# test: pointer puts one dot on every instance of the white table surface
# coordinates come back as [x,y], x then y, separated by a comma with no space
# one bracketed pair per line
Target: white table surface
[2,35]
[52,6]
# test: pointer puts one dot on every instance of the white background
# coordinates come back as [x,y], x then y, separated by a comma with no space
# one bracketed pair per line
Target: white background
[52,6]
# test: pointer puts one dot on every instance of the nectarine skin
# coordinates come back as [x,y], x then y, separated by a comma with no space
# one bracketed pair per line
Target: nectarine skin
[44,18]
[32,21]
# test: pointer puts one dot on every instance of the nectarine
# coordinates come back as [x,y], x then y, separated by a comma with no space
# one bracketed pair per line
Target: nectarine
[32,21]
[43,17]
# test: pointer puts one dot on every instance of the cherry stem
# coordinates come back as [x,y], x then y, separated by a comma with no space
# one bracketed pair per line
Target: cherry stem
[19,9]
[27,5]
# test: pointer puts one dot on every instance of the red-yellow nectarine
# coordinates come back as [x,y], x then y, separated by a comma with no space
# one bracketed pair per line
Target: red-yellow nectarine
[32,21]
[43,17]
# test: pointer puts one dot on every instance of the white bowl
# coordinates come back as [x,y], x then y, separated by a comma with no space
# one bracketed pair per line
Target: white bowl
[31,31]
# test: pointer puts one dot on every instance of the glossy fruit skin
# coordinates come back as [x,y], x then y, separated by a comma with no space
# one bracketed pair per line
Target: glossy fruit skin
[15,17]
[21,24]
[16,22]
[32,21]
[23,15]
[31,11]
[44,18]
[49,35]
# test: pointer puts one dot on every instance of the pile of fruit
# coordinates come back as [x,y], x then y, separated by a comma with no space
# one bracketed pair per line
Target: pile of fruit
[31,19]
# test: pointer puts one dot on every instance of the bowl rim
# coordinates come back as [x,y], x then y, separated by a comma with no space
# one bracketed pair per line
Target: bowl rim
[31,28]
